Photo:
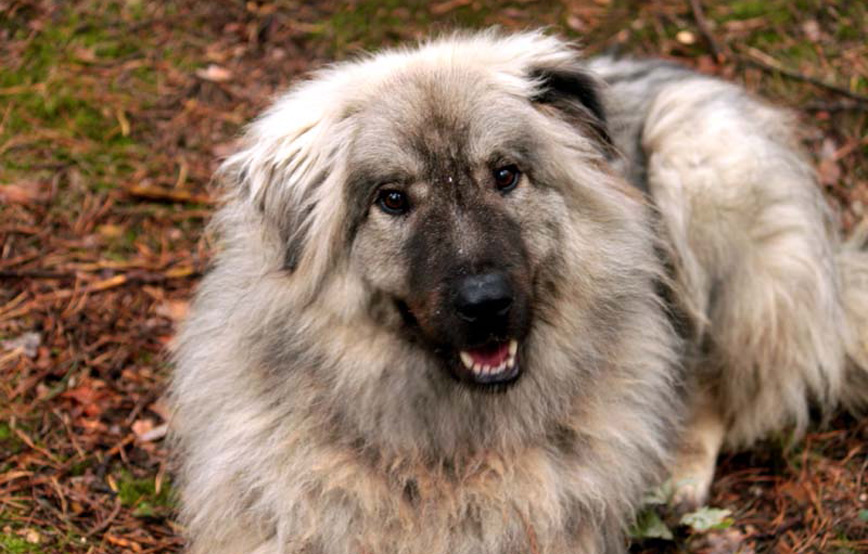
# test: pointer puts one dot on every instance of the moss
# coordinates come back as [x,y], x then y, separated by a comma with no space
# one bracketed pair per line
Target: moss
[141,495]
[10,444]
[748,9]
[13,544]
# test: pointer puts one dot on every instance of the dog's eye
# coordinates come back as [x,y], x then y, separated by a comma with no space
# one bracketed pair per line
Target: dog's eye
[393,202]
[506,178]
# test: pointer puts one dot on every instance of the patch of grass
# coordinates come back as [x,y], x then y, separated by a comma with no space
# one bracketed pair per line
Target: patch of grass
[63,116]
[141,495]
[13,544]
[10,444]
[369,24]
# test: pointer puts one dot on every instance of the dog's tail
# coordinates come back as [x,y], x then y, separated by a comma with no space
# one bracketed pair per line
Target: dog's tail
[853,267]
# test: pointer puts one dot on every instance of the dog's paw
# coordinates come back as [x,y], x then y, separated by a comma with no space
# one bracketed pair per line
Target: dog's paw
[689,493]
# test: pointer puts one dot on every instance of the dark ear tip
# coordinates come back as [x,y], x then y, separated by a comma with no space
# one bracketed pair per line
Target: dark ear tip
[575,93]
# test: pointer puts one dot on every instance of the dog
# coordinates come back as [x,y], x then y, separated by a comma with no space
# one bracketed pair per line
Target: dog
[479,295]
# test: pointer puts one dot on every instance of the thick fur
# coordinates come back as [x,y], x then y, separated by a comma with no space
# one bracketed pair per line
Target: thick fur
[314,409]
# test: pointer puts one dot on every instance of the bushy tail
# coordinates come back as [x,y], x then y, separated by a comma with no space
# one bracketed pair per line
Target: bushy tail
[853,266]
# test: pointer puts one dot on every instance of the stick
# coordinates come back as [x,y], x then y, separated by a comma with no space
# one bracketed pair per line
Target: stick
[767,63]
[717,50]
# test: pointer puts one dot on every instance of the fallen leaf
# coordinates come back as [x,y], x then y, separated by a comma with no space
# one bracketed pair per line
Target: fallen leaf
[685,37]
[88,397]
[28,344]
[110,231]
[214,73]
[32,536]
[812,30]
[175,310]
[141,427]
[706,519]
[27,192]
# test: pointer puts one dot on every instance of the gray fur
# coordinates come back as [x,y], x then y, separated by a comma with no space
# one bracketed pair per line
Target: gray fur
[312,416]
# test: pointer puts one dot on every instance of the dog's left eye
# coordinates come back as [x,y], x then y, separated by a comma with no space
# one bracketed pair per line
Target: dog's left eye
[393,202]
[506,178]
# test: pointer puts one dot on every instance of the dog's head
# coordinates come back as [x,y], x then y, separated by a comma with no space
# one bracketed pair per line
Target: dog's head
[459,183]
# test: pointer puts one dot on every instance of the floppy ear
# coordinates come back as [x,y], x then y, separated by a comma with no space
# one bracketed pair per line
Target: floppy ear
[290,174]
[575,95]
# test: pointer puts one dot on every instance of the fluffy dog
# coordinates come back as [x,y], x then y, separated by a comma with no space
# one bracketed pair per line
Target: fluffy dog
[474,299]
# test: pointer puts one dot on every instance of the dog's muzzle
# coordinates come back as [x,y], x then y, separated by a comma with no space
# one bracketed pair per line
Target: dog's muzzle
[483,302]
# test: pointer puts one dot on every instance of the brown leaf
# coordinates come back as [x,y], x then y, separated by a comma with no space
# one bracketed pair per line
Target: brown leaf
[142,426]
[175,310]
[88,397]
[27,192]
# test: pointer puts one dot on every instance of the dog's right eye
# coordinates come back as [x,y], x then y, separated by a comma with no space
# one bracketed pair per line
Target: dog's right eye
[393,202]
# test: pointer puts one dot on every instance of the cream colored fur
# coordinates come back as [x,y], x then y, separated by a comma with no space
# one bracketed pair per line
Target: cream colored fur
[305,424]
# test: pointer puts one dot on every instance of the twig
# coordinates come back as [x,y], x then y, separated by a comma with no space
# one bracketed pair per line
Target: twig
[108,520]
[131,277]
[767,63]
[843,106]
[719,52]
[34,274]
[168,195]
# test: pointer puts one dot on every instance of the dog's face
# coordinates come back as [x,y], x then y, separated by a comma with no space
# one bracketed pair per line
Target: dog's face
[426,224]
[453,214]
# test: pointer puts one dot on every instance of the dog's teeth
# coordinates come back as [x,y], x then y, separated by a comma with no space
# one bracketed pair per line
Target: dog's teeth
[477,368]
[511,361]
[466,360]
[513,348]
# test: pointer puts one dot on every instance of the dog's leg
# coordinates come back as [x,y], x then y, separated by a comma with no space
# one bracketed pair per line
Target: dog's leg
[697,454]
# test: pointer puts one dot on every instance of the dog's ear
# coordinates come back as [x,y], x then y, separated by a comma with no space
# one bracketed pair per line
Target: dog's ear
[575,95]
[289,173]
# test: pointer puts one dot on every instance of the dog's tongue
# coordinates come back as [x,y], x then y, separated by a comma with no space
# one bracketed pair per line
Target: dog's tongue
[491,355]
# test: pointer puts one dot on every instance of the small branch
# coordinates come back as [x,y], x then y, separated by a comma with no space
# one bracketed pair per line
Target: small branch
[719,52]
[844,106]
[765,62]
[129,277]
[161,194]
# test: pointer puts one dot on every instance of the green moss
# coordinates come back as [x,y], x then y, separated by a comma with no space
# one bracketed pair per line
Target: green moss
[5,431]
[10,444]
[748,9]
[140,494]
[13,544]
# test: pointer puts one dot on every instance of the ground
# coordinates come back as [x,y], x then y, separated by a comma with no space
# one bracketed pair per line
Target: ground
[113,117]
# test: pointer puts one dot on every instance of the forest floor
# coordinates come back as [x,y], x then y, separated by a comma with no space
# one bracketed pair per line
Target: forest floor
[114,115]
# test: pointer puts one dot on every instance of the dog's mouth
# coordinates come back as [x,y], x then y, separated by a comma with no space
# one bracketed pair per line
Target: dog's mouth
[492,363]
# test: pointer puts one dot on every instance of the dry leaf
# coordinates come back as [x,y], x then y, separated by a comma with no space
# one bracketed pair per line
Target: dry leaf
[214,73]
[142,426]
[27,192]
[685,37]
[812,30]
[175,310]
[32,536]
[28,344]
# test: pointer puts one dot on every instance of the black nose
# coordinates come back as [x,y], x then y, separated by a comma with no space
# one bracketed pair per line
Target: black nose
[485,297]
